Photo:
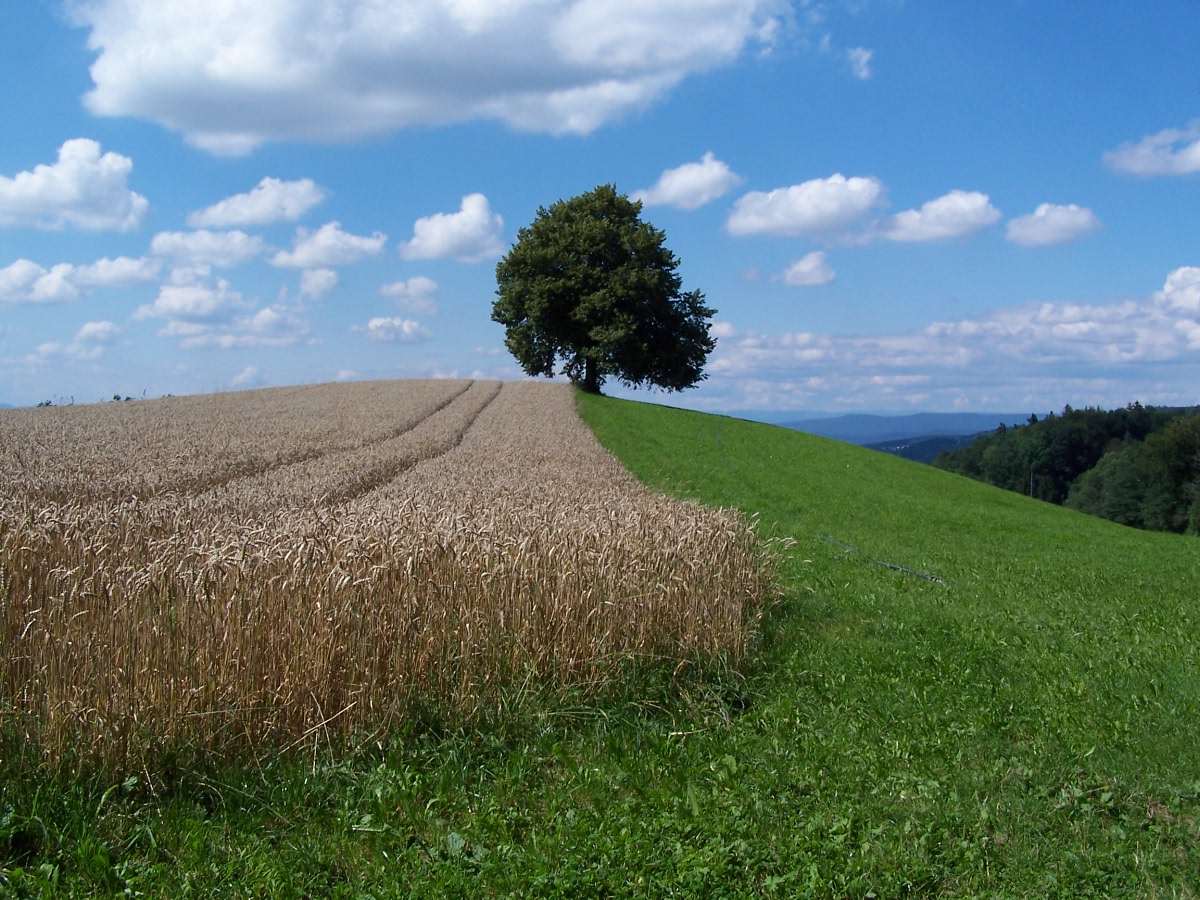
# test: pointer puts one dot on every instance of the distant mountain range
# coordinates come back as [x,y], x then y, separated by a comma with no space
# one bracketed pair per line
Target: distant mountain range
[916,436]
[870,429]
[926,449]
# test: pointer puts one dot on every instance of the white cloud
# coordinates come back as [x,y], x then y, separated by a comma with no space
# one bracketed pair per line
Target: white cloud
[17,281]
[860,62]
[83,189]
[328,246]
[820,206]
[1181,293]
[810,271]
[691,185]
[956,214]
[272,326]
[55,286]
[417,296]
[223,249]
[1007,357]
[317,284]
[89,343]
[230,76]
[404,331]
[193,294]
[271,201]
[1052,224]
[722,330]
[27,282]
[120,272]
[250,376]
[206,312]
[470,235]
[1174,151]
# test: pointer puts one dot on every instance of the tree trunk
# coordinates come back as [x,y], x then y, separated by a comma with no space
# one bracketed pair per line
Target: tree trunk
[591,381]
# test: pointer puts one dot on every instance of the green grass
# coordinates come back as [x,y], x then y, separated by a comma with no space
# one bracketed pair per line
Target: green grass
[1025,726]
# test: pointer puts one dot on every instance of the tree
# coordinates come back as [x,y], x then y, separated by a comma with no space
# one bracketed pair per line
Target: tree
[590,283]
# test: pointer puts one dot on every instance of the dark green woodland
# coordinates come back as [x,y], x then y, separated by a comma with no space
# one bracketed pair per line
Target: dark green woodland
[1139,466]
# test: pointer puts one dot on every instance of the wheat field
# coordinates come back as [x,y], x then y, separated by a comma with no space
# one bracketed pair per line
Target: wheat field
[259,570]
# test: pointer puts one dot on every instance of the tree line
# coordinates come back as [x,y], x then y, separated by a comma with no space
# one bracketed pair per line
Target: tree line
[1139,465]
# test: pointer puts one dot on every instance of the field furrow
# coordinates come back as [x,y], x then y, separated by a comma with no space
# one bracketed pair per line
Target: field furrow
[479,539]
[188,445]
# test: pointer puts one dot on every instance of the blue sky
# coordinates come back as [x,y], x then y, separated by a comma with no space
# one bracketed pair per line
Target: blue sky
[894,206]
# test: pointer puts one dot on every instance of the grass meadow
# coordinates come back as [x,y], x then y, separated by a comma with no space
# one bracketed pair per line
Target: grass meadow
[957,692]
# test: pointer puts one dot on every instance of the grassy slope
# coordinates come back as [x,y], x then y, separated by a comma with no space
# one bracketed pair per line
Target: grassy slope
[1026,728]
[1030,722]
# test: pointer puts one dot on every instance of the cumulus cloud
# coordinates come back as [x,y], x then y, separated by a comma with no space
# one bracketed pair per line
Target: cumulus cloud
[272,326]
[223,249]
[271,201]
[1174,151]
[230,76]
[810,271]
[1052,224]
[819,206]
[250,376]
[17,279]
[317,284]
[403,331]
[83,189]
[120,272]
[193,294]
[328,246]
[956,214]
[89,343]
[1181,293]
[860,62]
[723,329]
[417,296]
[27,282]
[691,185]
[993,355]
[205,312]
[470,235]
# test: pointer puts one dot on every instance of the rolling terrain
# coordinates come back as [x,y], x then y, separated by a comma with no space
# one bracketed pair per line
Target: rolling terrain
[956,692]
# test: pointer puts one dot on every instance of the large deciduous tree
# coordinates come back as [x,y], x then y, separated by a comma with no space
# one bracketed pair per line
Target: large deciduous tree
[589,283]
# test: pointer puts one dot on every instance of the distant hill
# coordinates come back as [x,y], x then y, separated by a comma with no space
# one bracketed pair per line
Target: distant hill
[871,430]
[925,449]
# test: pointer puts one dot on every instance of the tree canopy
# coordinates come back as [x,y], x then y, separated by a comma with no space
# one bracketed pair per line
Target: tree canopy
[588,283]
[1139,466]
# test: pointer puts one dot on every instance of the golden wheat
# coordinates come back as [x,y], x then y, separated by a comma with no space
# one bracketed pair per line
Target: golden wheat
[263,569]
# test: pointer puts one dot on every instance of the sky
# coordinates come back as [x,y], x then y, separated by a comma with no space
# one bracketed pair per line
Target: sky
[893,205]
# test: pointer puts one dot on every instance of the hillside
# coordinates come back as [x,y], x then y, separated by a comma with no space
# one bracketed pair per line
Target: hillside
[1008,729]
[959,692]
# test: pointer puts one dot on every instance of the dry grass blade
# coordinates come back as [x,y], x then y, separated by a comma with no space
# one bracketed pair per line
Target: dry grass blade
[336,571]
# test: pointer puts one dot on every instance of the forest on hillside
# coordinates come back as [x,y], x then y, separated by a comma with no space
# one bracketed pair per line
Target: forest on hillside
[1139,465]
